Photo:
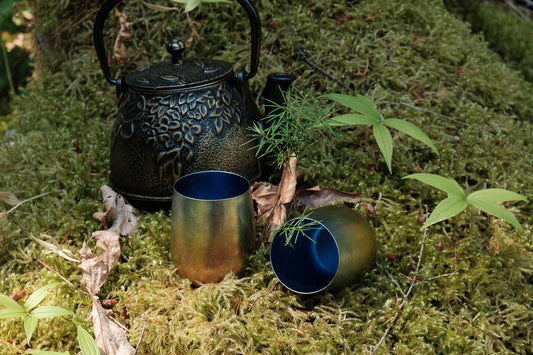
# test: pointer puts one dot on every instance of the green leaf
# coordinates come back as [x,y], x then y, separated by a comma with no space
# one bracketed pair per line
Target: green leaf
[411,130]
[496,195]
[192,4]
[13,313]
[448,185]
[351,119]
[44,352]
[495,210]
[447,208]
[30,323]
[358,103]
[87,344]
[36,297]
[10,303]
[50,312]
[384,140]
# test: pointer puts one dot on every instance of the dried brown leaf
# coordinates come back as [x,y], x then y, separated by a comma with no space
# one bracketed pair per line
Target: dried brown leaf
[96,268]
[9,198]
[56,248]
[119,50]
[118,210]
[110,337]
[322,196]
[265,196]
[286,193]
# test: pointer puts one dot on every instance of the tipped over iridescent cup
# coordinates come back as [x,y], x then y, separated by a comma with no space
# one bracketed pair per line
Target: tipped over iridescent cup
[330,248]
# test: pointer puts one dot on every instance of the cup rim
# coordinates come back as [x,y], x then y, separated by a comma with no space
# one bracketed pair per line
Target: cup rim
[222,172]
[332,278]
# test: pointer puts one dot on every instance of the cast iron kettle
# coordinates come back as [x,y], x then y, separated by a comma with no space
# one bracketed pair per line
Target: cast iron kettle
[181,116]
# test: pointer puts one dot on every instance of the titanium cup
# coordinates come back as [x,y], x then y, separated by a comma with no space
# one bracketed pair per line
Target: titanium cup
[212,225]
[332,247]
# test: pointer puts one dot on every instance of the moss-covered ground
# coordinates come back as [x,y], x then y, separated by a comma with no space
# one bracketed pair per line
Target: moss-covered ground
[414,59]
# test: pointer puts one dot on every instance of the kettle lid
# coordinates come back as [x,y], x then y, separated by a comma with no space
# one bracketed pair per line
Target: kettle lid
[178,73]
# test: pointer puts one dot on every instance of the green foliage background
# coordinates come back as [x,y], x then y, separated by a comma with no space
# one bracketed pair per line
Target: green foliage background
[476,282]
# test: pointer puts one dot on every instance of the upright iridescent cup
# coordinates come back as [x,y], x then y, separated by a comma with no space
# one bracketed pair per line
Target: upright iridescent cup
[212,225]
[331,248]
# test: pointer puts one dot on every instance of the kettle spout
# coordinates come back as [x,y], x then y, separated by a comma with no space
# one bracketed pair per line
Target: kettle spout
[276,85]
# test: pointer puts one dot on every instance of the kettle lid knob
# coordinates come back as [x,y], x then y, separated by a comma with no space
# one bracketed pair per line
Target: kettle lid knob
[175,48]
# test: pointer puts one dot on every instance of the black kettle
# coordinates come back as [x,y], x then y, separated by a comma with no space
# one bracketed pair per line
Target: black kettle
[181,116]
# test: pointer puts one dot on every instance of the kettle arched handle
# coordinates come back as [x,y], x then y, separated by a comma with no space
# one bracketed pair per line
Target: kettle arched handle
[109,5]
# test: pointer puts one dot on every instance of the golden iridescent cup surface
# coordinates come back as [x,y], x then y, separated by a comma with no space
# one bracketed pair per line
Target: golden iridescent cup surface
[333,247]
[212,225]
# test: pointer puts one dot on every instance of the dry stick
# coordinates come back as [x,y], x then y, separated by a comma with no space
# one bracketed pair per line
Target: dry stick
[140,339]
[404,301]
[304,56]
[62,277]
[460,123]
[438,114]
[31,198]
[516,9]
[263,295]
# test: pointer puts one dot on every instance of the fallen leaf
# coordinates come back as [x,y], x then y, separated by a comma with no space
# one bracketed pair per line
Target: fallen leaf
[119,50]
[109,336]
[118,210]
[96,268]
[17,296]
[286,194]
[56,248]
[323,196]
[265,196]
[9,198]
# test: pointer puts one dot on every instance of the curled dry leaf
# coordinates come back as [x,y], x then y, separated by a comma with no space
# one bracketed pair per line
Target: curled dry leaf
[9,198]
[322,196]
[118,210]
[119,50]
[96,268]
[56,248]
[265,195]
[286,193]
[18,295]
[109,336]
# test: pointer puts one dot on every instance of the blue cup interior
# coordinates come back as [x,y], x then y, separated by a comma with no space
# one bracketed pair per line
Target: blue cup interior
[310,263]
[211,185]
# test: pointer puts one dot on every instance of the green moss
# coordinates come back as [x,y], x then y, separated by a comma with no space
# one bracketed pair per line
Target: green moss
[419,54]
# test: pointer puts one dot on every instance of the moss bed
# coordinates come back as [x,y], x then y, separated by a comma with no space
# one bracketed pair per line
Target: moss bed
[414,59]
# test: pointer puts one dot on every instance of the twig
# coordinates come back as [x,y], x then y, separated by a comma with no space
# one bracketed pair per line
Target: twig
[31,198]
[406,295]
[460,123]
[443,275]
[140,339]
[75,24]
[308,60]
[62,277]
[438,114]
[516,9]
[261,296]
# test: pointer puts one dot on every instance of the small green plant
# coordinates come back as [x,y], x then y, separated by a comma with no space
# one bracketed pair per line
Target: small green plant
[87,344]
[457,200]
[29,312]
[369,115]
[298,227]
[31,316]
[85,340]
[293,128]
